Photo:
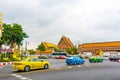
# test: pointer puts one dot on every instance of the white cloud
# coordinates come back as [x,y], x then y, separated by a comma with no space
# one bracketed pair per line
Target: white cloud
[80,20]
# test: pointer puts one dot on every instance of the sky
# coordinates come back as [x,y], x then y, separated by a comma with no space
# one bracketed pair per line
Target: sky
[83,21]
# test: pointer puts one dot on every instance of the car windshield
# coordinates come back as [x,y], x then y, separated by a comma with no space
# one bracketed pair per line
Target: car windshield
[23,60]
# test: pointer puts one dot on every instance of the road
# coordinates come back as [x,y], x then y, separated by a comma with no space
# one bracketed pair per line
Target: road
[60,71]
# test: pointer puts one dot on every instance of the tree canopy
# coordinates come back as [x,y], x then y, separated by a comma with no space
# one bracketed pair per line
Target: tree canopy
[13,34]
[41,47]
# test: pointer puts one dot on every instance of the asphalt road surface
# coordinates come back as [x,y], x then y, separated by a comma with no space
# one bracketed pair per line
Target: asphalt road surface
[60,71]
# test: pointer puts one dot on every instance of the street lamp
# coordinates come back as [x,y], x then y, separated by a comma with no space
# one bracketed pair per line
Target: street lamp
[26,44]
[1,25]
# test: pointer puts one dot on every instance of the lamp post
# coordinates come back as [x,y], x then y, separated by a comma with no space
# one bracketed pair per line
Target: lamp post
[26,44]
[1,29]
[1,25]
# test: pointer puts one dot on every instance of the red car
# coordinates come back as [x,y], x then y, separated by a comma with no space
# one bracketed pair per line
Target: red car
[61,57]
[118,60]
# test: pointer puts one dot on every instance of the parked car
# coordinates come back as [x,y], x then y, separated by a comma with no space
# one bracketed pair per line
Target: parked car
[118,60]
[61,57]
[74,60]
[114,58]
[95,59]
[30,63]
[105,57]
[43,57]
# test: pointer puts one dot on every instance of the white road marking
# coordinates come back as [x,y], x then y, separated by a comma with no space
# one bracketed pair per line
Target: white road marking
[24,78]
[58,68]
[13,74]
[70,67]
[79,65]
[1,67]
[20,77]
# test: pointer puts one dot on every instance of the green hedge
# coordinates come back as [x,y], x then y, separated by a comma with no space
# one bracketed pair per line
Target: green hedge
[4,56]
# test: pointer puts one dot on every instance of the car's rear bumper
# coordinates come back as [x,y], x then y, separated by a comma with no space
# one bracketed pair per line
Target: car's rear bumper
[18,67]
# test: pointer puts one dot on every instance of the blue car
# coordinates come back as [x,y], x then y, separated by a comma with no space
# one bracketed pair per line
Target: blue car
[74,60]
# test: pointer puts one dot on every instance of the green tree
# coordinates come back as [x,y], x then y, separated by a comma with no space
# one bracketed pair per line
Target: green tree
[55,49]
[68,50]
[31,51]
[41,47]
[13,34]
[73,50]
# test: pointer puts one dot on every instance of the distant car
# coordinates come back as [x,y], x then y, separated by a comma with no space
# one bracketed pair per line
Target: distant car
[61,57]
[105,57]
[43,57]
[55,55]
[74,60]
[114,58]
[30,63]
[118,60]
[95,59]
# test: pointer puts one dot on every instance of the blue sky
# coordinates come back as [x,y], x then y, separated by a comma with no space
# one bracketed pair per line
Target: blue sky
[80,20]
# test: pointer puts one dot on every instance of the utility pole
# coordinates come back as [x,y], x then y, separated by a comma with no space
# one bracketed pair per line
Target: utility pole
[1,25]
[26,44]
[1,29]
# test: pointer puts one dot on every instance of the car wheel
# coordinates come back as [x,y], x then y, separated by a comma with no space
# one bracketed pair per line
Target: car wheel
[83,62]
[27,68]
[19,70]
[68,63]
[46,66]
[75,63]
[90,61]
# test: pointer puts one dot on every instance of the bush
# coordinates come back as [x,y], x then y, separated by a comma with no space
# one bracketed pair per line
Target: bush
[6,59]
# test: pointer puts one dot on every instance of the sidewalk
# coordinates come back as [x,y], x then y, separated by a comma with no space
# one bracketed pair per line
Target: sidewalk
[5,63]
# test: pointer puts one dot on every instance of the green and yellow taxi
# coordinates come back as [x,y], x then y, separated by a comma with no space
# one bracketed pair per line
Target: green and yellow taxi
[95,59]
[30,63]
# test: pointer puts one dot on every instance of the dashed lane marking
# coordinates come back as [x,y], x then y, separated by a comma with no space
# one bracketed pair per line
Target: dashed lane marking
[13,74]
[1,67]
[70,67]
[24,78]
[58,68]
[79,65]
[20,77]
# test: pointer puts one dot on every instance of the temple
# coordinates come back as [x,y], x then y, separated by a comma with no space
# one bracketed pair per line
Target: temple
[49,48]
[65,43]
[100,48]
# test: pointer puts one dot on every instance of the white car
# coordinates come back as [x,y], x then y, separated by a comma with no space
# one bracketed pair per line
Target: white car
[105,57]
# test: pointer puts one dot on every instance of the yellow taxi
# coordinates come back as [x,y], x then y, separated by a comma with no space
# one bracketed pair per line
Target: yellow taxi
[30,63]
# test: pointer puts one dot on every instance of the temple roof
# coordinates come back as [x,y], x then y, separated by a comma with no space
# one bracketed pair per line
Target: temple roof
[106,46]
[101,44]
[65,42]
[47,45]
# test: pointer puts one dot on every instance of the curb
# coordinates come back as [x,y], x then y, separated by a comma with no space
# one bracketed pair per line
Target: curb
[5,63]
